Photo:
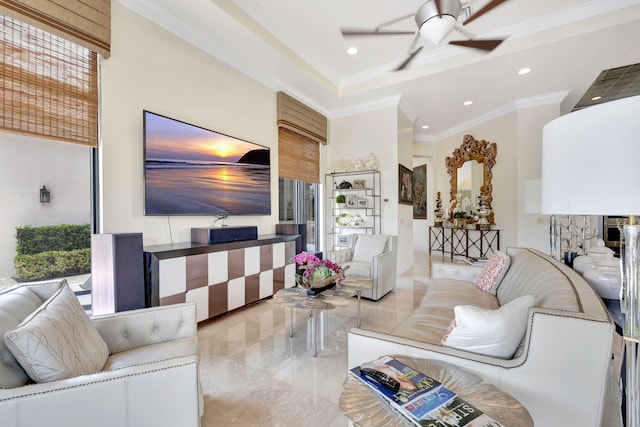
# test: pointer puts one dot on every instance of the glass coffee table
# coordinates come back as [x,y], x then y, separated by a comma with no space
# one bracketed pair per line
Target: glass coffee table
[366,408]
[339,296]
[358,284]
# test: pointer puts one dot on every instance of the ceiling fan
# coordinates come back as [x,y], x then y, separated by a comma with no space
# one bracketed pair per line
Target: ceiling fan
[435,20]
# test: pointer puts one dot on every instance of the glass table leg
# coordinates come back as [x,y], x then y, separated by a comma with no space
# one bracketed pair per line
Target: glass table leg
[358,292]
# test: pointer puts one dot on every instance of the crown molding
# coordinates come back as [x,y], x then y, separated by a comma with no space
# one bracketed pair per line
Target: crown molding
[378,104]
[519,104]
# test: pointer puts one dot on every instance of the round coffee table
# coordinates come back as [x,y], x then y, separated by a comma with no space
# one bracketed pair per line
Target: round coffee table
[367,409]
[328,300]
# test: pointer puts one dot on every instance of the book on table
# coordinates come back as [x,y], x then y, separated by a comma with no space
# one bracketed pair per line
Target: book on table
[475,261]
[422,399]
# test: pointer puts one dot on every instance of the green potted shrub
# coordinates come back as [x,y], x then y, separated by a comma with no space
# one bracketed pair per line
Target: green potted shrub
[340,200]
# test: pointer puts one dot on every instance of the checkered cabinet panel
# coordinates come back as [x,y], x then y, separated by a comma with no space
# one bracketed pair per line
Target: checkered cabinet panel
[219,282]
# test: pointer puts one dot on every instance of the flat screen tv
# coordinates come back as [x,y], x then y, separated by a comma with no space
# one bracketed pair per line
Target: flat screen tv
[190,170]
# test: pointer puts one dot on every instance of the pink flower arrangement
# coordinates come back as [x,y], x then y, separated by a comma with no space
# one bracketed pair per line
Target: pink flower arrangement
[317,272]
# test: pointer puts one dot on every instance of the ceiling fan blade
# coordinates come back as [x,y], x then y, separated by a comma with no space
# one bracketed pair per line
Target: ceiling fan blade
[355,32]
[408,60]
[484,10]
[438,8]
[487,45]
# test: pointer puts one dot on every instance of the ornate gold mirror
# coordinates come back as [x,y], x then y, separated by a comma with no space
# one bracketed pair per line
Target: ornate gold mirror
[473,161]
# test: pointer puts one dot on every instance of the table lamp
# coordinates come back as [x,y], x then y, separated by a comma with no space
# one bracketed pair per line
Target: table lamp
[591,166]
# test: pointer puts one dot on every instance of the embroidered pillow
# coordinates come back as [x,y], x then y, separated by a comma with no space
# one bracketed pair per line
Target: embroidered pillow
[58,340]
[490,332]
[493,272]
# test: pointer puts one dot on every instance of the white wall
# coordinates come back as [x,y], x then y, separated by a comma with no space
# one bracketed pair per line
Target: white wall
[376,132]
[26,164]
[151,69]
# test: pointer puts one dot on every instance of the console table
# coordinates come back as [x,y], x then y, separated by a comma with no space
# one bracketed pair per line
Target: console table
[464,241]
[219,277]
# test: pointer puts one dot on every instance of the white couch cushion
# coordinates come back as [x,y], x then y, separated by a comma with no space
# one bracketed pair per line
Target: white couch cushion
[367,247]
[15,305]
[490,332]
[492,273]
[57,340]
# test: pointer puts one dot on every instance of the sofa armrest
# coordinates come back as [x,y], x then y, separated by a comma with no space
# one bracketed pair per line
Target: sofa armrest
[464,272]
[160,394]
[137,328]
[339,256]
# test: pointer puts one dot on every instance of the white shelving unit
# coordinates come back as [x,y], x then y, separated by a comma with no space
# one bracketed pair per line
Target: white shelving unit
[363,201]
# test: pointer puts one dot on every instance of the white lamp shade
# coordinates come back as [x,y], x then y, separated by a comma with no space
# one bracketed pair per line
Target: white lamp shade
[591,161]
[437,28]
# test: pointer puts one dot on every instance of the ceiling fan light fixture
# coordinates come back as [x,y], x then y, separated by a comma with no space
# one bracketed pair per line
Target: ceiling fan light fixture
[434,27]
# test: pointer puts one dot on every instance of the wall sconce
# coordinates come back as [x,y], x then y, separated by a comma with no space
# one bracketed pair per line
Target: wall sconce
[45,195]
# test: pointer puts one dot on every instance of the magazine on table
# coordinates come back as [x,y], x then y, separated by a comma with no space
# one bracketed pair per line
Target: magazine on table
[417,395]
[420,398]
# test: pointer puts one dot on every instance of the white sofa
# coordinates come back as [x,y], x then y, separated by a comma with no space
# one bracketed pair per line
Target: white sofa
[150,377]
[559,372]
[378,262]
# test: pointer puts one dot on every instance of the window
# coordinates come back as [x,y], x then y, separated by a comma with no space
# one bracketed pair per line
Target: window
[299,205]
[49,89]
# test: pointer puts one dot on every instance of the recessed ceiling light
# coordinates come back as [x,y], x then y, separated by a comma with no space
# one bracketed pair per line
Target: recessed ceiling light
[352,50]
[468,102]
[525,70]
[596,98]
[425,127]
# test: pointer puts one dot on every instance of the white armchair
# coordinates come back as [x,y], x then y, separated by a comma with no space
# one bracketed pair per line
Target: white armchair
[373,256]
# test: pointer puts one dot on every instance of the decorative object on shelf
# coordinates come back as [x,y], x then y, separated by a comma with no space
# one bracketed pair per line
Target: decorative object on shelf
[359,184]
[438,211]
[472,150]
[459,219]
[344,185]
[341,200]
[602,138]
[405,185]
[344,240]
[483,213]
[352,201]
[342,165]
[371,162]
[348,220]
[317,273]
[363,203]
[359,164]
[420,192]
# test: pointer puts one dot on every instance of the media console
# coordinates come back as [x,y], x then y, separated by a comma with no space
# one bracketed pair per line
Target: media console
[220,277]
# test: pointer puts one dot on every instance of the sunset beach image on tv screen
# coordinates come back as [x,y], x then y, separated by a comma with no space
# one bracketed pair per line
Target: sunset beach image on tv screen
[190,170]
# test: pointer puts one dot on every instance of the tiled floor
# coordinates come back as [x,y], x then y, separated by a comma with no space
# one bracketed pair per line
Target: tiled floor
[253,373]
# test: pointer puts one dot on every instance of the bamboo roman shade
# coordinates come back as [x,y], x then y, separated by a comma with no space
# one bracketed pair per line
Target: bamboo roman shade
[299,157]
[48,84]
[85,22]
[301,130]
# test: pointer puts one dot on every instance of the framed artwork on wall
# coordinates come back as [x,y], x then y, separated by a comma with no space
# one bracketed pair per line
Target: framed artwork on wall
[420,192]
[405,185]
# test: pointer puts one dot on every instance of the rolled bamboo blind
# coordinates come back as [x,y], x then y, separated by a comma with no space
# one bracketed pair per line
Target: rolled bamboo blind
[301,130]
[49,85]
[85,22]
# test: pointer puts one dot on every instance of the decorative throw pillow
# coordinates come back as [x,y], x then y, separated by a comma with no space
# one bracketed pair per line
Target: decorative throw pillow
[493,272]
[15,305]
[58,340]
[367,247]
[490,332]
